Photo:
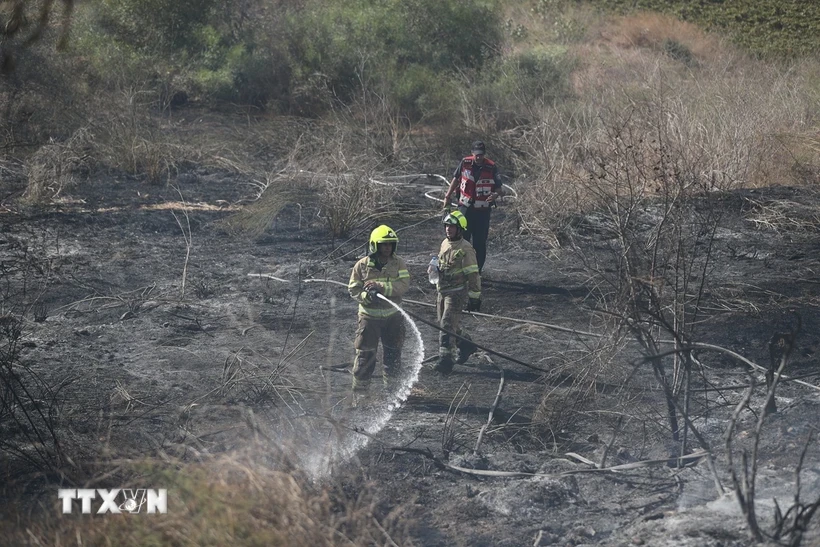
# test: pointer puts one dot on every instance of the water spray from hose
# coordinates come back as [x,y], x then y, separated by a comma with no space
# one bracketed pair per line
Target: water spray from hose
[375,412]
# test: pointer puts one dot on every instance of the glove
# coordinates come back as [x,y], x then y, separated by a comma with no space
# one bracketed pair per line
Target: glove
[369,296]
[474,304]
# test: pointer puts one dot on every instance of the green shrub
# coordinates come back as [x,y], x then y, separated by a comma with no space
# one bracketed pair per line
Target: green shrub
[158,26]
[294,56]
[521,87]
[340,39]
[220,76]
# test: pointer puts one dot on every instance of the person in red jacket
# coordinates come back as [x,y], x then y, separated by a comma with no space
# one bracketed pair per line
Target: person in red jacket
[478,184]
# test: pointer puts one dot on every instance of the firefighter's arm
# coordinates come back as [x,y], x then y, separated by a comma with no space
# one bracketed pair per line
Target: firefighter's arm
[450,191]
[355,287]
[474,291]
[454,183]
[473,277]
[498,188]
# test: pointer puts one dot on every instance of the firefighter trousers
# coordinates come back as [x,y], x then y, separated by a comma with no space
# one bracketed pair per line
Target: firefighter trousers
[390,331]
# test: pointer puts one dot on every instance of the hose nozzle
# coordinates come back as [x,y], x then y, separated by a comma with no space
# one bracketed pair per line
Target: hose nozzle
[373,294]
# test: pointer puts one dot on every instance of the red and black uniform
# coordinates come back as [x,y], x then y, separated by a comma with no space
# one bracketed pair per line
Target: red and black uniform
[477,182]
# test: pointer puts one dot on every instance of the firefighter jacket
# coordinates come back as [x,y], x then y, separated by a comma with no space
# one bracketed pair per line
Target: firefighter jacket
[477,182]
[458,268]
[393,275]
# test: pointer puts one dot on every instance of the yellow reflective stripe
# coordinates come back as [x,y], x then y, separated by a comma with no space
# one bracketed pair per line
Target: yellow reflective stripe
[376,312]
[388,288]
[463,271]
[403,274]
[354,284]
[473,294]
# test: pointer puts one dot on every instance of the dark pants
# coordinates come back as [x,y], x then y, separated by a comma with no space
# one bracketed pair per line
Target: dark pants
[478,230]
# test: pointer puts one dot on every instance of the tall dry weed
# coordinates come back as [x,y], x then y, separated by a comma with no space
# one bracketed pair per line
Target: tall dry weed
[348,202]
[572,388]
[132,138]
[329,172]
[58,166]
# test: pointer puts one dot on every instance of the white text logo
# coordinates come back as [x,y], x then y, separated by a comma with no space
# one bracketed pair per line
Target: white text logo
[117,500]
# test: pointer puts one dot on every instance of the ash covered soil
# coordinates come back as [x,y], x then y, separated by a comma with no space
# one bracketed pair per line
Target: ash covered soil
[573,451]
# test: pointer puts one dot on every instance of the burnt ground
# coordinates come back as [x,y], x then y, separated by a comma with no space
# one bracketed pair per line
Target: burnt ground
[251,347]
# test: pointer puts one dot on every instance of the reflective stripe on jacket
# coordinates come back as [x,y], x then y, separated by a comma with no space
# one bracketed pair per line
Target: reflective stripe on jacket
[393,275]
[477,183]
[459,268]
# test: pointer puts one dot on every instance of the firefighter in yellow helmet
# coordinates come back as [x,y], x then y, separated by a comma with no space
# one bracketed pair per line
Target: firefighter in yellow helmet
[459,283]
[380,273]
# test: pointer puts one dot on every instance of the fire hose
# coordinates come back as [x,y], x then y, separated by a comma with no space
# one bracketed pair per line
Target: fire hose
[374,294]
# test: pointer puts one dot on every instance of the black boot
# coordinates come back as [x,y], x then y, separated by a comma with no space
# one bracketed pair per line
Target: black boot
[465,349]
[445,364]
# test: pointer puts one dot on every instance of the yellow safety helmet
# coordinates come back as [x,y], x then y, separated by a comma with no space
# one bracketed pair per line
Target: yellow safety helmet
[457,218]
[382,234]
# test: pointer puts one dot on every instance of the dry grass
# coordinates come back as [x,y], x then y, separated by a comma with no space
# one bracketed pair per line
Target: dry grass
[549,23]
[782,216]
[796,159]
[727,124]
[352,201]
[142,151]
[231,500]
[257,217]
[327,171]
[657,31]
[57,166]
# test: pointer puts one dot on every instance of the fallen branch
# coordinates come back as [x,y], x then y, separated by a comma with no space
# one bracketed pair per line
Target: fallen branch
[492,411]
[742,484]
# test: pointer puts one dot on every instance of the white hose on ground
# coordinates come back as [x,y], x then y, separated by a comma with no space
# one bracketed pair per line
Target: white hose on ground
[695,345]
[428,194]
